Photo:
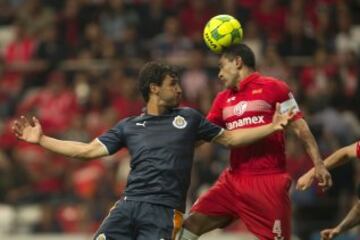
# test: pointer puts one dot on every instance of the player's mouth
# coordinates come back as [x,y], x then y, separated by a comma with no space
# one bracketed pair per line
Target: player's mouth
[224,82]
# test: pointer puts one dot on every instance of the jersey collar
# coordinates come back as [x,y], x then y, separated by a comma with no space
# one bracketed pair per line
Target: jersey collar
[145,113]
[248,79]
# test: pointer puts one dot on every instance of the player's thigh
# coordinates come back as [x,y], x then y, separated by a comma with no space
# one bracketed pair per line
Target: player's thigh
[264,206]
[199,223]
[155,222]
[215,208]
[117,225]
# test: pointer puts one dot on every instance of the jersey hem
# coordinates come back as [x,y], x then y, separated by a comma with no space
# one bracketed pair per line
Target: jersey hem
[162,203]
[256,172]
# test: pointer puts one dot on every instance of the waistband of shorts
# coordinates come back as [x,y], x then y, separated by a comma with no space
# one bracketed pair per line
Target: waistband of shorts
[239,172]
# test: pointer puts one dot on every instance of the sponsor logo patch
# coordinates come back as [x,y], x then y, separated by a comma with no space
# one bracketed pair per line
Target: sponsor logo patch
[244,122]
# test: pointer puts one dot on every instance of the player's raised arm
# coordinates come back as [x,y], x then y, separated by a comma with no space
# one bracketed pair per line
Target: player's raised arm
[302,131]
[31,131]
[338,158]
[242,137]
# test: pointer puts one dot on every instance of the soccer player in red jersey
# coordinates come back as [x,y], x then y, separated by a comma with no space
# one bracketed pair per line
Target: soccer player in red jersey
[255,186]
[336,159]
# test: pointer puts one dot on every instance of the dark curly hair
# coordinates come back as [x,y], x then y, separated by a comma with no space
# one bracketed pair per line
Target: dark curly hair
[154,72]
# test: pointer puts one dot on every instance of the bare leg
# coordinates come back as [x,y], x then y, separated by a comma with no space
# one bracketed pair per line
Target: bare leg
[197,224]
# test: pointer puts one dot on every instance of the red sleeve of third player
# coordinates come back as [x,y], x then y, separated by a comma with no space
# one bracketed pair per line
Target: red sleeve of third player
[358,149]
[215,113]
[283,94]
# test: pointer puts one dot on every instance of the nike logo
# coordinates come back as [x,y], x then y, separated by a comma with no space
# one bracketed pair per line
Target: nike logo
[141,124]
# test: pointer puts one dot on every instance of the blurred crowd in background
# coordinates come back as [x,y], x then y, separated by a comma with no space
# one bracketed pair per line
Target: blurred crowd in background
[74,65]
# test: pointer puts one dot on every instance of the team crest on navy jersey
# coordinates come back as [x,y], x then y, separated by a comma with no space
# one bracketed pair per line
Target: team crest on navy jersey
[101,237]
[179,122]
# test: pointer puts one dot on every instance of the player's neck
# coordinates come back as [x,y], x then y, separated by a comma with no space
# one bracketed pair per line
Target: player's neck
[244,73]
[153,108]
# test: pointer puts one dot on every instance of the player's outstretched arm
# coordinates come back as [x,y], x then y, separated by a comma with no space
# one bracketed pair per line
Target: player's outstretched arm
[338,158]
[352,219]
[241,137]
[301,129]
[31,131]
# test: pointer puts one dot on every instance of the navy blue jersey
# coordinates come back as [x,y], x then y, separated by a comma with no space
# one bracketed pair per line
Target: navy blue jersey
[162,150]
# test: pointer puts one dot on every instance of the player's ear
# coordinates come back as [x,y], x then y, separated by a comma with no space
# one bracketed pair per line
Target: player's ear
[153,88]
[239,62]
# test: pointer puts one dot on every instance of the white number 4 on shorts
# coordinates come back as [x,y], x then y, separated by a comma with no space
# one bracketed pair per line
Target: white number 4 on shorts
[277,230]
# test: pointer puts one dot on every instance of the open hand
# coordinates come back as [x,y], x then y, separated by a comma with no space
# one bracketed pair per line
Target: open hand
[27,131]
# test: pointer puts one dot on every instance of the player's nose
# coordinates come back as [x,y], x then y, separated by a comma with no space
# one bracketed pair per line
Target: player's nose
[220,76]
[178,89]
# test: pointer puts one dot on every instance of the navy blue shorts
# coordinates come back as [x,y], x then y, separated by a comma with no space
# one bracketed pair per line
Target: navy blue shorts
[133,220]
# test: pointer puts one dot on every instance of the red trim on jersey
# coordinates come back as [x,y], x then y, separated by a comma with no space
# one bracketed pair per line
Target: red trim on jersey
[358,149]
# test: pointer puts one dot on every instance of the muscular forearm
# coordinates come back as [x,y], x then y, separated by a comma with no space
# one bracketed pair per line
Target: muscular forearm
[311,147]
[303,132]
[66,148]
[336,159]
[241,137]
[351,220]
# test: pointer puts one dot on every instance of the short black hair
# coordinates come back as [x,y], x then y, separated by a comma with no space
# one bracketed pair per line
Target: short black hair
[243,51]
[154,72]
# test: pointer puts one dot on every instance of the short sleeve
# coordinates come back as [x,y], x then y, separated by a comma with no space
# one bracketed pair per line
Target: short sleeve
[206,130]
[113,139]
[215,113]
[284,96]
[358,149]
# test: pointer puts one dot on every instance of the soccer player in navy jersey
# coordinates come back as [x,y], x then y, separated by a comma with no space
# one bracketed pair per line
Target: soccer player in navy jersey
[336,159]
[255,186]
[161,143]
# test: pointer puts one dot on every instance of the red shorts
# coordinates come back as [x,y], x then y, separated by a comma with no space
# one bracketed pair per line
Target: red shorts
[261,201]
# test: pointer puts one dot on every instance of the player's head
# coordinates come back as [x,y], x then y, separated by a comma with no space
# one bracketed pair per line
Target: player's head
[161,81]
[232,61]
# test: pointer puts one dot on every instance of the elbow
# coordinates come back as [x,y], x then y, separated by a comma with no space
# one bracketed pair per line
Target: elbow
[344,154]
[350,152]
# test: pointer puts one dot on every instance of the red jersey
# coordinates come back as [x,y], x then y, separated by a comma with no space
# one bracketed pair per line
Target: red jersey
[358,149]
[252,105]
